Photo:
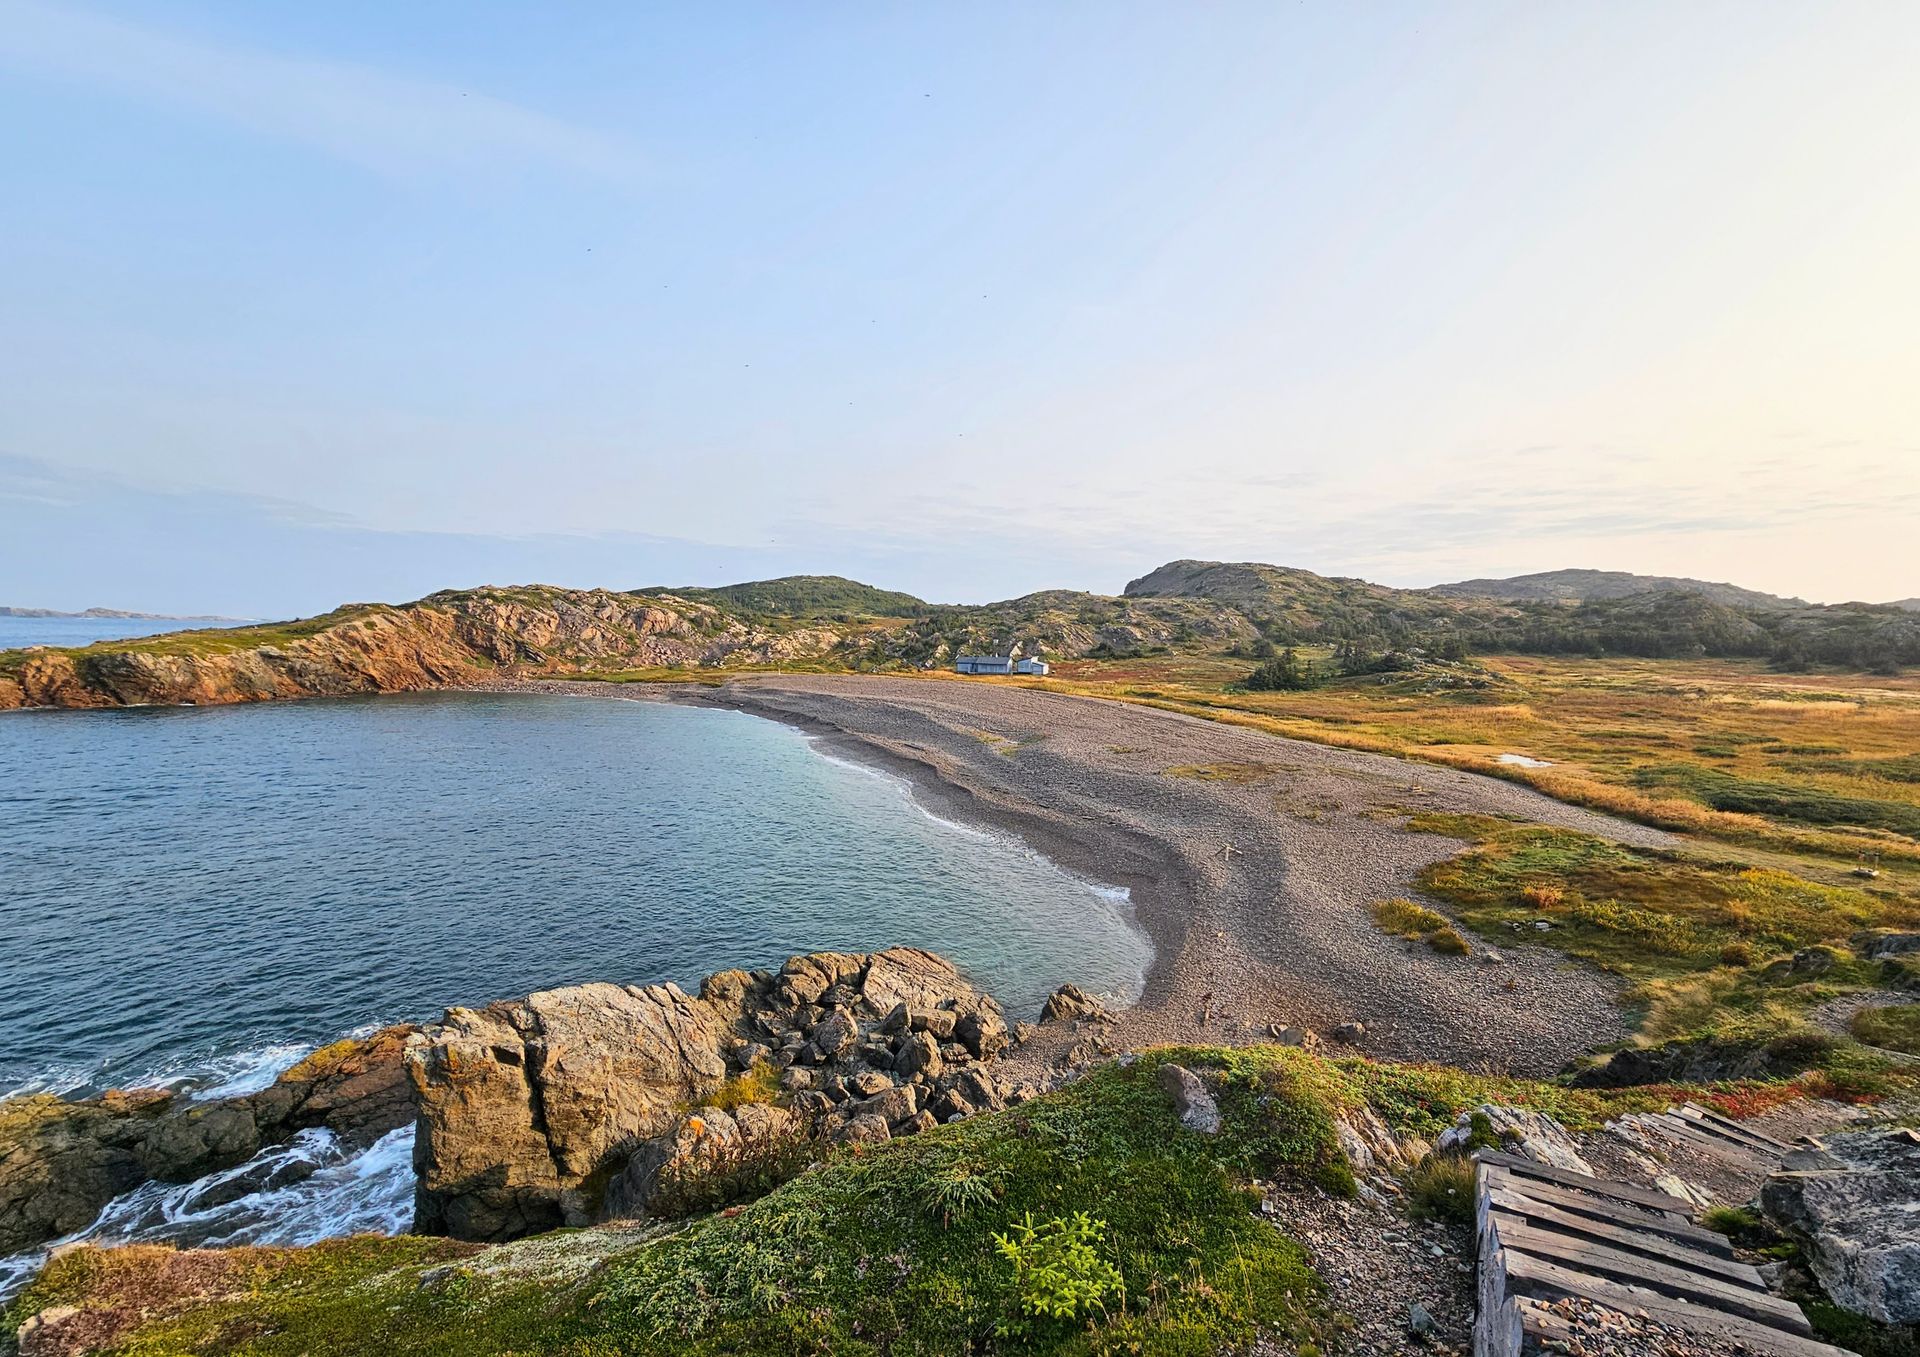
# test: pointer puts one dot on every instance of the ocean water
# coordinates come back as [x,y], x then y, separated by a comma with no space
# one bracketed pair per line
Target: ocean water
[197,896]
[82,631]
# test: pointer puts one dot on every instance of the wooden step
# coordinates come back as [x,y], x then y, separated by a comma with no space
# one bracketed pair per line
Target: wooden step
[1696,1137]
[1522,1275]
[1657,1248]
[1581,1182]
[1661,1223]
[1745,1296]
[1713,1121]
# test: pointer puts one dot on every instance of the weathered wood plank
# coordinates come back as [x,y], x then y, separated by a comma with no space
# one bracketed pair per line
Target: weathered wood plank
[1581,1182]
[1597,1260]
[1526,1276]
[1692,1135]
[1605,1209]
[1659,1248]
[1726,1126]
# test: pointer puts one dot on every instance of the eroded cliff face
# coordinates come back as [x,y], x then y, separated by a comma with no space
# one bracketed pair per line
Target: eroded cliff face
[441,641]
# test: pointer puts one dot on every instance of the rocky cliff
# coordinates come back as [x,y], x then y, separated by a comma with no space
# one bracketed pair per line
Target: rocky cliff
[441,641]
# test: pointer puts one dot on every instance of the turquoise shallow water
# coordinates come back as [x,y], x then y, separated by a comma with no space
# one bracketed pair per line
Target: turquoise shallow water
[201,893]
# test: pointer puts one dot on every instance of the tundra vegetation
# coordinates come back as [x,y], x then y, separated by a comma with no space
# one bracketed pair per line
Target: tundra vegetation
[1083,1221]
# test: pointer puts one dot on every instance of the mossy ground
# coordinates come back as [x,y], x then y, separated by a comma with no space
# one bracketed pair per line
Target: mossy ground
[886,1249]
[1709,942]
[1844,741]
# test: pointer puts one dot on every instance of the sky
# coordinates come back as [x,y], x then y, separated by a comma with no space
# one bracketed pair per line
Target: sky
[302,304]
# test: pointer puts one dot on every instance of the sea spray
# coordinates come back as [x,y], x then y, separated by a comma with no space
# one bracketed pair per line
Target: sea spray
[309,1188]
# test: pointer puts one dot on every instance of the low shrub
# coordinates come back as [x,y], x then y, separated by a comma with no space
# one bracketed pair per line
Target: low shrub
[1894,1027]
[1059,1272]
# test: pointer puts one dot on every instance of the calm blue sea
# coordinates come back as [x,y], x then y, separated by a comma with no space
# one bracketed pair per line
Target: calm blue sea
[199,893]
[199,896]
[81,631]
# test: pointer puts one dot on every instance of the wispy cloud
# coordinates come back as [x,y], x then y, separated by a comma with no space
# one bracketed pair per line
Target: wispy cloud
[385,122]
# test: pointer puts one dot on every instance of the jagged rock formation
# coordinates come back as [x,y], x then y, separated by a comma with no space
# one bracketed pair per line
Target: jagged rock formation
[444,640]
[62,1160]
[562,1107]
[1856,1203]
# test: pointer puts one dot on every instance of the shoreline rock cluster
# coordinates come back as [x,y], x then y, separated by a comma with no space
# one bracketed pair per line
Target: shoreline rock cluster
[565,1107]
[62,1160]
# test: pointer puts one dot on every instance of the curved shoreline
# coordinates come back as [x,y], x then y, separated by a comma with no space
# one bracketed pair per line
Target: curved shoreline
[1277,931]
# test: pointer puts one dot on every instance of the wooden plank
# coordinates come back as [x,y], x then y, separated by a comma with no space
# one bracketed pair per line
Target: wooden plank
[1597,1260]
[1688,1133]
[1726,1126]
[1660,1248]
[1581,1182]
[1600,1208]
[1541,1279]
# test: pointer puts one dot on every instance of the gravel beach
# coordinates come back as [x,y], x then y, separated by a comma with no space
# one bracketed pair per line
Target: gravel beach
[1277,931]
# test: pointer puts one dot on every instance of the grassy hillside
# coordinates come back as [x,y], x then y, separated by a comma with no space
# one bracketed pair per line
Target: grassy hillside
[1580,586]
[804,596]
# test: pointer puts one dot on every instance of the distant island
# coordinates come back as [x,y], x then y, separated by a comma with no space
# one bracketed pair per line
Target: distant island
[120,614]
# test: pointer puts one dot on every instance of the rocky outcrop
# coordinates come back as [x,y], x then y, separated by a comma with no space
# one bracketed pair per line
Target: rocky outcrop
[1704,1060]
[1518,1131]
[1856,1204]
[62,1160]
[444,640]
[564,1106]
[1070,1003]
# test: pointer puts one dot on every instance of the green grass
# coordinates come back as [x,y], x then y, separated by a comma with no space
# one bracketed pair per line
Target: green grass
[1404,918]
[1782,800]
[1641,912]
[1894,1028]
[1708,943]
[892,1250]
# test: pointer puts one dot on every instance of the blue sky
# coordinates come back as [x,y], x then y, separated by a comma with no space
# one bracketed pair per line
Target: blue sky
[356,300]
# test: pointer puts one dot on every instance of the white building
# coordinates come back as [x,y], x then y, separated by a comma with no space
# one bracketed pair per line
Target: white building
[1010,663]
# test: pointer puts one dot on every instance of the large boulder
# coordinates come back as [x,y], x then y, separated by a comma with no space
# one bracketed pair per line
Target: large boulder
[1070,1003]
[703,1143]
[1856,1203]
[531,1112]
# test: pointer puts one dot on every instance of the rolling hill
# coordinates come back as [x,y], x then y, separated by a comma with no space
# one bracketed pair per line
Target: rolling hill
[1587,586]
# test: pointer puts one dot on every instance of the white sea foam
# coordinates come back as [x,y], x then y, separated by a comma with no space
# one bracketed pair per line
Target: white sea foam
[299,1192]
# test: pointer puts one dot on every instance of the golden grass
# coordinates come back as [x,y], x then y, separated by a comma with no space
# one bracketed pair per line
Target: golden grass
[1405,919]
[1598,723]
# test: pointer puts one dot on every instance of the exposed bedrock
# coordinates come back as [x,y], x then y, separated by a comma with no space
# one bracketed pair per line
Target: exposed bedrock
[1856,1204]
[562,1107]
[62,1160]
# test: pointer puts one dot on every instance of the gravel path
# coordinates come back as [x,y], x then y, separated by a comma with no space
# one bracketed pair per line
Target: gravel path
[1278,931]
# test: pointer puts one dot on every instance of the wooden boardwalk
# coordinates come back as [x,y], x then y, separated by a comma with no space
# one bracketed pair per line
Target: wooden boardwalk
[1548,1234]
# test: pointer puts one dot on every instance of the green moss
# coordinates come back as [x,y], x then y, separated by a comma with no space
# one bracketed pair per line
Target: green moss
[863,1255]
[1405,919]
[1892,1028]
[1787,801]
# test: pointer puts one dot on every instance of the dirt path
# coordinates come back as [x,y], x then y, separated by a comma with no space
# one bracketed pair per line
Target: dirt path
[1278,930]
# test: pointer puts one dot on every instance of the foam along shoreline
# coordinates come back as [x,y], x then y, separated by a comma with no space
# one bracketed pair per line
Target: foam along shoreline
[301,1191]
